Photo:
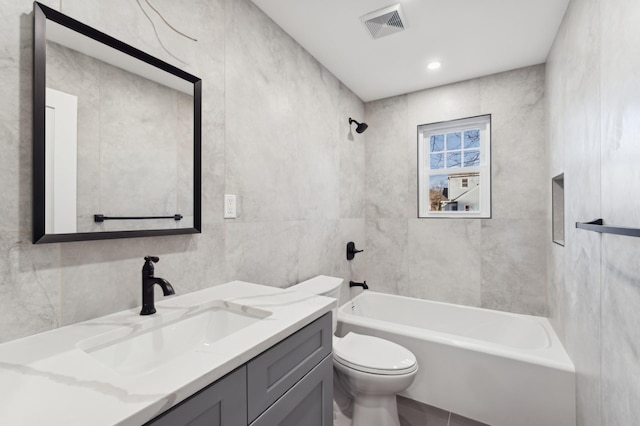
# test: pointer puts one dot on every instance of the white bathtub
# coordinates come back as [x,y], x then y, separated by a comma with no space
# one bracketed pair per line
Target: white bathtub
[498,368]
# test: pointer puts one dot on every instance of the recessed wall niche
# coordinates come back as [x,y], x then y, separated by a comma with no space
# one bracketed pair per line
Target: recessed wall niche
[557,208]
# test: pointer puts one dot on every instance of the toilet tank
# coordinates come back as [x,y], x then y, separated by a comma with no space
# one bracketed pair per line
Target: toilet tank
[322,285]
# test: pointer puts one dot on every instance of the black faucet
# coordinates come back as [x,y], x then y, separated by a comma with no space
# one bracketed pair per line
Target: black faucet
[148,281]
[362,284]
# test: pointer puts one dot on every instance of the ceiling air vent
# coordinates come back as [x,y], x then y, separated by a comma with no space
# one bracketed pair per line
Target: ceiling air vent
[384,22]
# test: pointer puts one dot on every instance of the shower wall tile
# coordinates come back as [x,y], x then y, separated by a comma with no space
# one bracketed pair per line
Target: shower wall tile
[620,333]
[593,126]
[29,286]
[581,322]
[322,250]
[445,260]
[620,108]
[513,259]
[620,122]
[351,148]
[387,251]
[556,290]
[581,142]
[386,171]
[518,156]
[450,102]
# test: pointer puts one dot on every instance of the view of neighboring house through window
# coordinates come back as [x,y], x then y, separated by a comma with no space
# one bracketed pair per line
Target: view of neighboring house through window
[454,173]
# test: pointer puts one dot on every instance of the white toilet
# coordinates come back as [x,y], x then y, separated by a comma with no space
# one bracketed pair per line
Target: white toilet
[375,369]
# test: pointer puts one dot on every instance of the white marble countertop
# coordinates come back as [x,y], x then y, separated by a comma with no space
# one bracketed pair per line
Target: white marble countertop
[48,379]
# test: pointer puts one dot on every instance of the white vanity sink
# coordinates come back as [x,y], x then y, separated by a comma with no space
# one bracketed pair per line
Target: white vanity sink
[125,369]
[142,347]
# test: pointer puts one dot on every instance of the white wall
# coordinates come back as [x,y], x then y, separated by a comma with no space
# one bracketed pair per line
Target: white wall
[593,103]
[275,132]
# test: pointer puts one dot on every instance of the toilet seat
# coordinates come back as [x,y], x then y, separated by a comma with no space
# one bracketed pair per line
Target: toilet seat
[373,355]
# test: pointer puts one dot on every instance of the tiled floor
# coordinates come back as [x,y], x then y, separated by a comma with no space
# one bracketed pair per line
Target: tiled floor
[413,413]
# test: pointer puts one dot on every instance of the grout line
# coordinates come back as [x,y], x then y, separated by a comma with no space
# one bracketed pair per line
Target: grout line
[449,419]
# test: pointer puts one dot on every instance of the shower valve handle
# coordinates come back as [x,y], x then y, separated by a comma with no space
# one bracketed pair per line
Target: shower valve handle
[351,250]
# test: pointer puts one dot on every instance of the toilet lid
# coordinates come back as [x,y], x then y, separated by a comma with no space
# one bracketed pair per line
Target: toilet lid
[373,355]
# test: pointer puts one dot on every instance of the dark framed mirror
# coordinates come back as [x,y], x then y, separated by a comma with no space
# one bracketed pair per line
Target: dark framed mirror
[116,137]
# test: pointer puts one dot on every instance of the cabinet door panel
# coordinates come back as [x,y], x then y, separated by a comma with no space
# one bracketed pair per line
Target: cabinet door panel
[277,369]
[223,403]
[308,403]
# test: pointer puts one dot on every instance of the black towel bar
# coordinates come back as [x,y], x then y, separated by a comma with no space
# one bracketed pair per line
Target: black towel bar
[101,218]
[599,226]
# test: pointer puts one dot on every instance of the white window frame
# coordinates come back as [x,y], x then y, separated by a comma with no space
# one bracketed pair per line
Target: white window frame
[425,131]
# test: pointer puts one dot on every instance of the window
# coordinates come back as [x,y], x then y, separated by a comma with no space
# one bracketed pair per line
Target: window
[454,168]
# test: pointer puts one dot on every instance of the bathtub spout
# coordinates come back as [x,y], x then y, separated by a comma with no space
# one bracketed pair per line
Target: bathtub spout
[362,284]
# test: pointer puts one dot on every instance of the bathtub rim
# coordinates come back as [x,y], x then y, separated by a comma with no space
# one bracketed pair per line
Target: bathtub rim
[553,356]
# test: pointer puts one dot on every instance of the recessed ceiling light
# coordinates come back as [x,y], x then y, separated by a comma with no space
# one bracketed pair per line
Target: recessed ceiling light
[434,65]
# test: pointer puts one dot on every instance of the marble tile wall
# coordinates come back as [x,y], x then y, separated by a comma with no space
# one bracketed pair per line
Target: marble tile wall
[593,130]
[275,133]
[499,263]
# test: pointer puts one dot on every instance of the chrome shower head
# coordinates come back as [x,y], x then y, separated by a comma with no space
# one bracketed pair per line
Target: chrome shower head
[361,126]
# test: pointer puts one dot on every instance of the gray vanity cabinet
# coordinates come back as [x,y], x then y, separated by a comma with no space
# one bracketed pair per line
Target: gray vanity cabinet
[289,384]
[221,404]
[308,403]
[276,370]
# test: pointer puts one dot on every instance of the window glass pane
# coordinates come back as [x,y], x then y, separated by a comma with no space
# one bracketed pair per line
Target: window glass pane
[454,141]
[436,161]
[438,188]
[436,143]
[472,158]
[472,138]
[454,159]
[463,192]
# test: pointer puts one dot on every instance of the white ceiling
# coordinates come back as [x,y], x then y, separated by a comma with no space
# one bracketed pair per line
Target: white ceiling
[471,38]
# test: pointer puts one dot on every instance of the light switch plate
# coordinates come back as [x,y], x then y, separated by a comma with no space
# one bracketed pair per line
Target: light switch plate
[229,206]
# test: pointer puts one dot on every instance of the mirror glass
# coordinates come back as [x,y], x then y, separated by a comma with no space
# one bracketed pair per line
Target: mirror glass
[116,137]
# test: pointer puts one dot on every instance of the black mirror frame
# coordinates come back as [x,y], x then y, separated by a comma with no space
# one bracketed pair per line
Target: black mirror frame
[41,15]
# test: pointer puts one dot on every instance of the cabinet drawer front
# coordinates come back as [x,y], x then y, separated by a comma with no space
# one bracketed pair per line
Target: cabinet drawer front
[276,370]
[222,403]
[308,403]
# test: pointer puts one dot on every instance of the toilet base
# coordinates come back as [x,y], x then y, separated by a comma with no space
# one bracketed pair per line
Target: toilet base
[375,410]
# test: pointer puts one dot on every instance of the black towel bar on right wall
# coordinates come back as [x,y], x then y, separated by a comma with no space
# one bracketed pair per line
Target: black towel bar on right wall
[599,226]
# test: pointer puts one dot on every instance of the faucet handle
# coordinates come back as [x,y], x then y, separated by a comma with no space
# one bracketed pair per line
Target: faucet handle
[154,259]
